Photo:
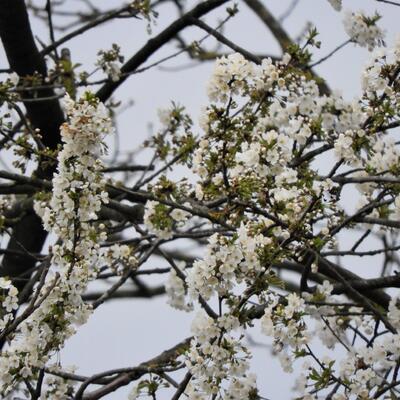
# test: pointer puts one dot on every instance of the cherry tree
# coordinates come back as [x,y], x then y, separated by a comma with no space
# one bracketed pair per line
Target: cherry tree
[257,186]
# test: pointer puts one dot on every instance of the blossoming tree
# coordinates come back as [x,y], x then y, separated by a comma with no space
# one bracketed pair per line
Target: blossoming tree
[260,196]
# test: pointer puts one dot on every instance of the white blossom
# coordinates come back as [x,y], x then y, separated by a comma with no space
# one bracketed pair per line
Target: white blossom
[363,30]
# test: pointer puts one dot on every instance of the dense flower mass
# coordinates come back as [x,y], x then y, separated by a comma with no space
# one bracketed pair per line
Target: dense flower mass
[363,30]
[275,212]
[78,194]
[217,355]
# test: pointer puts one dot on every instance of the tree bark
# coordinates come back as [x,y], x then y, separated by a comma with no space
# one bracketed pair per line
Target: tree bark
[24,59]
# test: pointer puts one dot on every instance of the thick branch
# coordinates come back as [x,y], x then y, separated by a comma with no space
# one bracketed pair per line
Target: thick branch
[273,25]
[156,43]
[24,58]
[163,359]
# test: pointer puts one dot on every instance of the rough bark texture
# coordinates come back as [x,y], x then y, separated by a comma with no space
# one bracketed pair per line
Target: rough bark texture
[46,115]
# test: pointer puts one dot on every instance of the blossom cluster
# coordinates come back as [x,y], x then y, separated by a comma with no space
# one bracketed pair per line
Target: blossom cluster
[217,355]
[176,289]
[284,323]
[160,219]
[226,264]
[70,214]
[261,122]
[9,301]
[363,30]
[362,368]
[111,62]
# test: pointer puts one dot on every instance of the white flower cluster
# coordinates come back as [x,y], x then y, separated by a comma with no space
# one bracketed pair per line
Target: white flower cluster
[176,290]
[259,162]
[78,186]
[229,75]
[160,219]
[217,356]
[378,83]
[56,387]
[249,157]
[384,155]
[259,154]
[365,368]
[266,152]
[362,368]
[113,70]
[9,301]
[284,323]
[372,81]
[78,194]
[226,264]
[363,30]
[111,62]
[118,256]
[233,73]
[343,146]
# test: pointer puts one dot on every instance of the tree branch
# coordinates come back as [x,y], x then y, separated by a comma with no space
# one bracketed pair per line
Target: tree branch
[156,43]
